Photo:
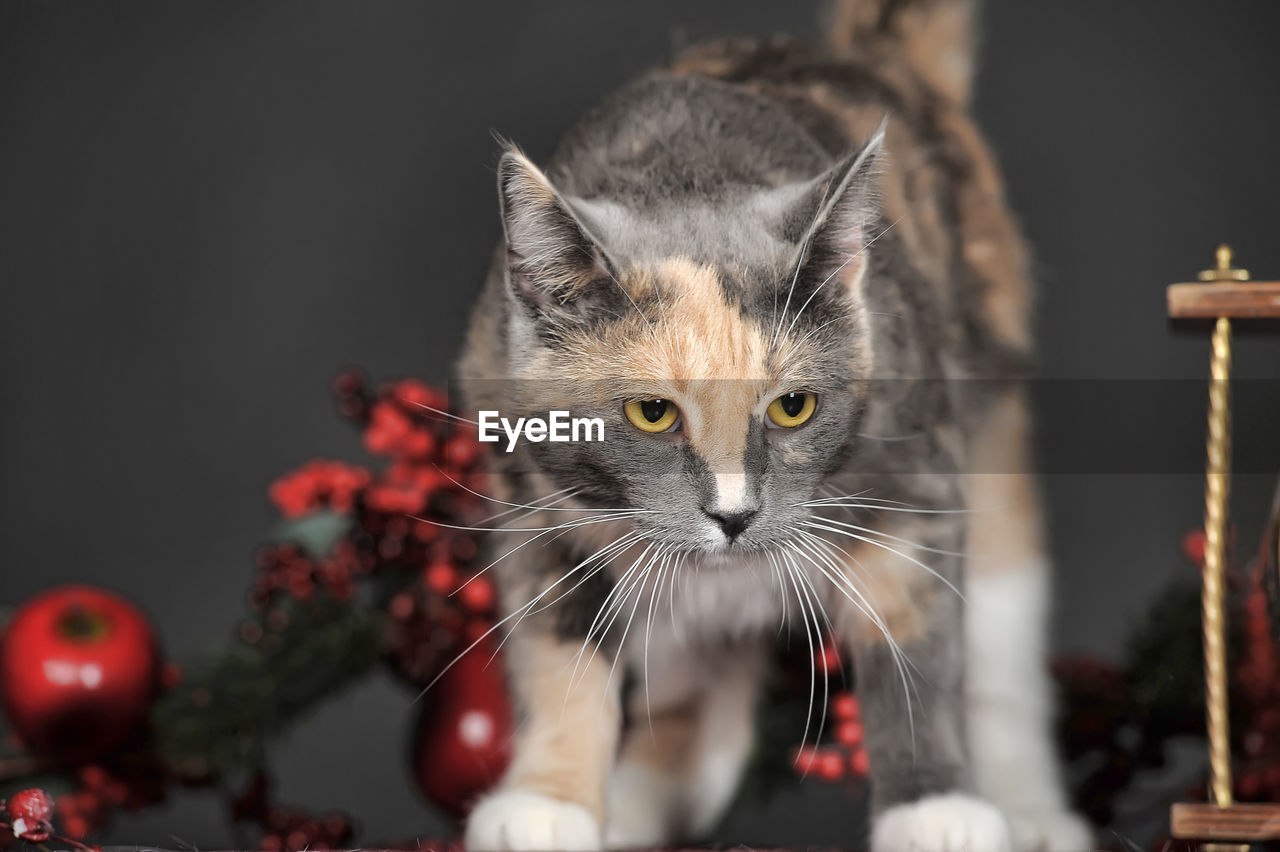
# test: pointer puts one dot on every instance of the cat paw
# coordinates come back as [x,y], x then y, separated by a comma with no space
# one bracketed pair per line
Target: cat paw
[519,821]
[947,823]
[1053,831]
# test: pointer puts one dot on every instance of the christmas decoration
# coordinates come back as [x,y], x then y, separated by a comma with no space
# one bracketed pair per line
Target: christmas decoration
[371,566]
[463,739]
[78,671]
[30,814]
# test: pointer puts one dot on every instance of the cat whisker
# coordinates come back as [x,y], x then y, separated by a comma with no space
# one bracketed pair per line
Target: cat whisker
[626,630]
[448,414]
[901,662]
[606,615]
[570,524]
[810,504]
[883,534]
[538,503]
[599,517]
[883,546]
[648,635]
[606,555]
[808,634]
[815,605]
[528,505]
[516,614]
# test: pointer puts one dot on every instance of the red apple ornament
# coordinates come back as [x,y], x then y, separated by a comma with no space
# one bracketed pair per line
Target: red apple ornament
[78,671]
[463,740]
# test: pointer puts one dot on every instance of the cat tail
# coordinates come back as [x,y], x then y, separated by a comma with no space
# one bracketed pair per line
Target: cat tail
[935,36]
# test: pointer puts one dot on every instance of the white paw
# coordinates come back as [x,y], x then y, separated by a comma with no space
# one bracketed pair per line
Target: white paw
[947,823]
[519,821]
[1054,831]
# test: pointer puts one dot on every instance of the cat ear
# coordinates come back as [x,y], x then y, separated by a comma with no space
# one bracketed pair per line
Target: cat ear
[553,263]
[843,206]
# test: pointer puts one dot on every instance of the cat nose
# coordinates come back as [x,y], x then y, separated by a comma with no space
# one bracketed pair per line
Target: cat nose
[733,523]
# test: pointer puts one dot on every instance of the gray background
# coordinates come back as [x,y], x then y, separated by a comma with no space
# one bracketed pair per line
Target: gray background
[206,209]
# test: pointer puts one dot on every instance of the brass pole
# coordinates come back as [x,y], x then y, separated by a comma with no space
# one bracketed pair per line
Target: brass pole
[1217,488]
[1217,485]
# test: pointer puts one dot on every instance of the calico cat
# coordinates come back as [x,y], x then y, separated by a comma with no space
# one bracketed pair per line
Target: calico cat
[785,278]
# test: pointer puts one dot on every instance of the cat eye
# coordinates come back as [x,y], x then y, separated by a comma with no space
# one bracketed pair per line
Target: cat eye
[652,415]
[791,409]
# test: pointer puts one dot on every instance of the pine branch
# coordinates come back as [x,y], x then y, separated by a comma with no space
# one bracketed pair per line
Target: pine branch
[221,718]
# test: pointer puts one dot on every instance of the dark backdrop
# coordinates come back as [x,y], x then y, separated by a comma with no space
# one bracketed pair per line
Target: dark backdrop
[206,209]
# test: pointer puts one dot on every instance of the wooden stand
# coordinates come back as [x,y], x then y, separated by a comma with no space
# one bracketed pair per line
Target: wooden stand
[1223,293]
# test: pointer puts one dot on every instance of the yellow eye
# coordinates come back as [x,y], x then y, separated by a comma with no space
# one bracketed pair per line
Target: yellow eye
[791,409]
[652,415]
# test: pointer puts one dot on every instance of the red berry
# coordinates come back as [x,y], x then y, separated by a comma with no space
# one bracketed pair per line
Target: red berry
[845,707]
[477,595]
[804,759]
[1193,546]
[860,763]
[419,395]
[827,660]
[441,578]
[402,606]
[30,814]
[75,826]
[849,734]
[475,629]
[461,451]
[830,765]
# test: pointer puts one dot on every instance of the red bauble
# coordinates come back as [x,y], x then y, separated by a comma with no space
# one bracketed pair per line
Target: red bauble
[78,671]
[30,815]
[463,740]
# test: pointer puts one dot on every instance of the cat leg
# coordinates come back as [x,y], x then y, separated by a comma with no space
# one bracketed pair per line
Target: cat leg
[680,767]
[726,736]
[910,668]
[647,788]
[552,796]
[1009,694]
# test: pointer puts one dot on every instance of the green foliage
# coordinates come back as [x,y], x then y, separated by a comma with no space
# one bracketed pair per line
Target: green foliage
[1164,650]
[230,703]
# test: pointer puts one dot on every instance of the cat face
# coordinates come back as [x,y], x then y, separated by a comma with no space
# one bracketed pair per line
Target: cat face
[729,381]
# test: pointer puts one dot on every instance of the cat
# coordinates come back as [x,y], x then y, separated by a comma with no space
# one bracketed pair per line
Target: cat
[785,278]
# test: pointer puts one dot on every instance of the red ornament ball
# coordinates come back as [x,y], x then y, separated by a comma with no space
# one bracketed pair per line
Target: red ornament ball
[30,814]
[78,671]
[463,739]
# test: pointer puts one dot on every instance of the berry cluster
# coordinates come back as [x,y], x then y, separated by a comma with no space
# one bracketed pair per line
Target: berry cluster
[404,525]
[846,757]
[101,790]
[319,484]
[285,567]
[288,829]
